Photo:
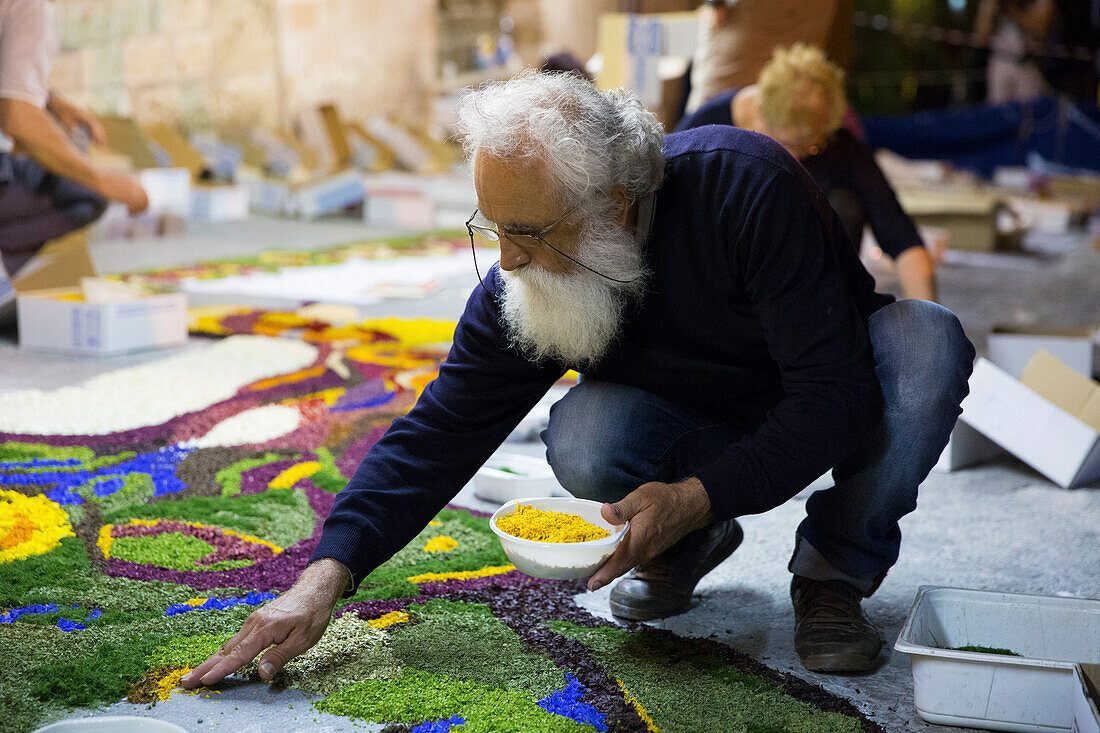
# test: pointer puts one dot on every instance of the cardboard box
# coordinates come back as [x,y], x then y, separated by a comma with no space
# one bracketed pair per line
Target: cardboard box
[1011,347]
[169,190]
[966,447]
[125,138]
[180,152]
[405,199]
[61,320]
[1083,187]
[398,207]
[969,215]
[54,314]
[227,202]
[1049,419]
[1053,215]
[327,194]
[631,46]
[309,199]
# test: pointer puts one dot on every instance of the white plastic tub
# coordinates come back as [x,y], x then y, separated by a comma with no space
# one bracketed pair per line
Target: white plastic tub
[1032,692]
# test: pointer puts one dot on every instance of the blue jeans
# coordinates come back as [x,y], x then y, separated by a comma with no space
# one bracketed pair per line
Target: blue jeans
[604,440]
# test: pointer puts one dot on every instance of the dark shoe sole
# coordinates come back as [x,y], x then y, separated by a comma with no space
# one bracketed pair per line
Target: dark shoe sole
[840,663]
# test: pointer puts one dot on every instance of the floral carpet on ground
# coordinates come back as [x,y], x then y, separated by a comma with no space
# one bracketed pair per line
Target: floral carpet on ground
[425,245]
[145,513]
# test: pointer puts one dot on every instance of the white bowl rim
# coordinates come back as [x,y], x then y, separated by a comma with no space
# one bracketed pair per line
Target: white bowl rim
[612,539]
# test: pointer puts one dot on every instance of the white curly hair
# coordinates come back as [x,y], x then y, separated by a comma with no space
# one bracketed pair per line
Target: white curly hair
[589,140]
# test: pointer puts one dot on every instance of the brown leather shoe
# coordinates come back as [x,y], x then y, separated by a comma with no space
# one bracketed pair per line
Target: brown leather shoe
[831,634]
[663,586]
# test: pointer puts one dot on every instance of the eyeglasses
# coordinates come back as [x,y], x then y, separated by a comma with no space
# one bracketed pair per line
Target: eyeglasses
[523,240]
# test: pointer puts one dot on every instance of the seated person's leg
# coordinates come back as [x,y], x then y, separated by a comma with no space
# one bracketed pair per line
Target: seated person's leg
[37,206]
[605,440]
[850,535]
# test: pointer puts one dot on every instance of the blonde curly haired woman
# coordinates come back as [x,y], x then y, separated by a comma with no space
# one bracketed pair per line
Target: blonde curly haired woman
[799,101]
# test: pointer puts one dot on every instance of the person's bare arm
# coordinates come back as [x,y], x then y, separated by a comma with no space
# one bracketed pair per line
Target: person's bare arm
[36,132]
[73,117]
[917,274]
[293,623]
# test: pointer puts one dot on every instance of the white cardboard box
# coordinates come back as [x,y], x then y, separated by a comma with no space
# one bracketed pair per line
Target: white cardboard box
[268,196]
[329,194]
[405,208]
[309,199]
[219,203]
[169,190]
[1011,347]
[1061,444]
[966,447]
[118,322]
[49,321]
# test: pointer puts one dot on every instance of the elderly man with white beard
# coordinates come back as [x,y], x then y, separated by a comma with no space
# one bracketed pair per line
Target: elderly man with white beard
[731,346]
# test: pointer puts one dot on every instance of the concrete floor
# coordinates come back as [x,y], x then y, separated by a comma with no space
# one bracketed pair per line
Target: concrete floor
[997,526]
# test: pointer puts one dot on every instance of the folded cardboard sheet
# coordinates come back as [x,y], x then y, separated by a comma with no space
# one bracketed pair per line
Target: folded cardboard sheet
[1049,418]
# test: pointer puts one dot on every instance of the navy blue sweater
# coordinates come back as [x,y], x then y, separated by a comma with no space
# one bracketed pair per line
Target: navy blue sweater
[845,163]
[755,313]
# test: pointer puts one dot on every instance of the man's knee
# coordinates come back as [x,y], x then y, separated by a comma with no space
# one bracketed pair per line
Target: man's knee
[583,464]
[593,442]
[924,346]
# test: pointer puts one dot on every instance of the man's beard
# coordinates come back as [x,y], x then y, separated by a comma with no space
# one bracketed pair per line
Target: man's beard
[574,317]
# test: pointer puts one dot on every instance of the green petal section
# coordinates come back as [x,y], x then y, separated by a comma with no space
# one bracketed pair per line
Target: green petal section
[282,517]
[658,669]
[170,550]
[466,641]
[415,697]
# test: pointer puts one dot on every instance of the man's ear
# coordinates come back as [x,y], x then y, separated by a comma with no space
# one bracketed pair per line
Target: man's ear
[618,193]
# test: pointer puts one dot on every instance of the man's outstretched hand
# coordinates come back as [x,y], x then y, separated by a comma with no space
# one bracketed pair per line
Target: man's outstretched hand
[659,514]
[293,622]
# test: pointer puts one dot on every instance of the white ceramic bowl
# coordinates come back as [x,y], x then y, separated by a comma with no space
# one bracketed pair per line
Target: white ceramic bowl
[508,476]
[559,560]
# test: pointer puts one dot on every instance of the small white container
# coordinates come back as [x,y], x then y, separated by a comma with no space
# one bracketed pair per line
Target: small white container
[113,724]
[508,476]
[559,560]
[1032,692]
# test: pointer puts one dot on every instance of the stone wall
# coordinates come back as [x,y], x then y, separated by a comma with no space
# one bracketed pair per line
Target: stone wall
[239,63]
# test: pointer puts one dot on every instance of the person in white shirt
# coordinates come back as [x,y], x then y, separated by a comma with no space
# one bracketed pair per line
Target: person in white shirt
[50,187]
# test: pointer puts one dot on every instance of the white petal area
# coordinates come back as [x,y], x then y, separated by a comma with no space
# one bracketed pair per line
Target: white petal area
[153,393]
[257,425]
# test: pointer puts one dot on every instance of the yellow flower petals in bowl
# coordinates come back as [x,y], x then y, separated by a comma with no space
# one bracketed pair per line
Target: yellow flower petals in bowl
[558,538]
[529,523]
